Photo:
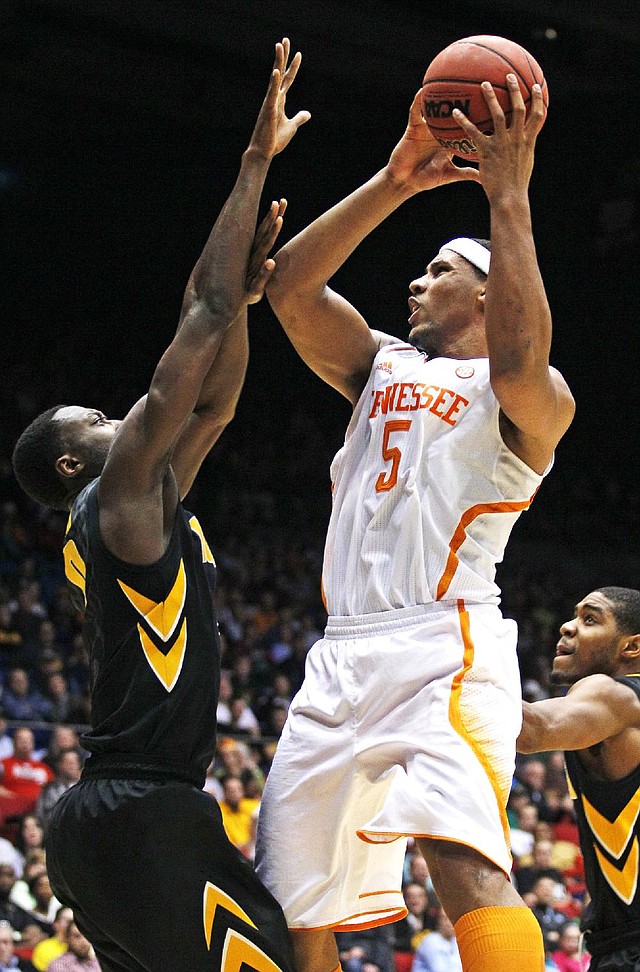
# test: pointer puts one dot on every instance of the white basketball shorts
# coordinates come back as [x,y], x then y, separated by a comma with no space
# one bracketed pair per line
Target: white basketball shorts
[405,725]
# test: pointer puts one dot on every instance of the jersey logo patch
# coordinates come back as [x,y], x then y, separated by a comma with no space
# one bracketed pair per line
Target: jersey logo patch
[614,836]
[236,950]
[162,617]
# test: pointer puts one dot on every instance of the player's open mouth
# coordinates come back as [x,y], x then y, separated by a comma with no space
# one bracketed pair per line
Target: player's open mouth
[562,649]
[414,307]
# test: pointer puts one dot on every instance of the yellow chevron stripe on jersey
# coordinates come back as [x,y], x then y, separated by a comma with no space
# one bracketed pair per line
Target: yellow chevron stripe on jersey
[207,556]
[75,568]
[613,835]
[214,896]
[623,881]
[166,667]
[239,951]
[163,616]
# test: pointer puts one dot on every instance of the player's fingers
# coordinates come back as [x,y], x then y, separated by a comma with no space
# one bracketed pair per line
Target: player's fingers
[466,124]
[291,71]
[518,109]
[537,112]
[301,118]
[493,105]
[415,111]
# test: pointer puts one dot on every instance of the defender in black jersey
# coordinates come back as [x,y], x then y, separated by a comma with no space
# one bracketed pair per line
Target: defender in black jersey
[598,725]
[137,849]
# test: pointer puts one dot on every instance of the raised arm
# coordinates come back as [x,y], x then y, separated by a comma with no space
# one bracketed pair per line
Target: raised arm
[138,488]
[595,709]
[536,403]
[327,331]
[223,383]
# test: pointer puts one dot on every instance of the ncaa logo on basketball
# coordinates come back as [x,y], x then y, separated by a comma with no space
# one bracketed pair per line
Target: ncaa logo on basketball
[444,108]
[464,371]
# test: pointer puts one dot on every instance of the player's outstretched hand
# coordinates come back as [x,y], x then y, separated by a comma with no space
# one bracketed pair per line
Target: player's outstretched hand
[506,156]
[419,162]
[260,265]
[273,130]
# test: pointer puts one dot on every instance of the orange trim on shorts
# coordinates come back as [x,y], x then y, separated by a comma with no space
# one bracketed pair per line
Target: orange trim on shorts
[460,533]
[391,916]
[457,720]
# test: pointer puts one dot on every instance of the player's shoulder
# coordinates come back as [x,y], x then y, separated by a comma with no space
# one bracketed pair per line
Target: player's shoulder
[606,688]
[384,340]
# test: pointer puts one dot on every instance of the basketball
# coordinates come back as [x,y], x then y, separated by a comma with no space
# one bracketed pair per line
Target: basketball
[453,80]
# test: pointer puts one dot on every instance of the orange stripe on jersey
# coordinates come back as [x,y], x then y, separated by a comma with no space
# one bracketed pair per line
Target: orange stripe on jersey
[456,717]
[460,534]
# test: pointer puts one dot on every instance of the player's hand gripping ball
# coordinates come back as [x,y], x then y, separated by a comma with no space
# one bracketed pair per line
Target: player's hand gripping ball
[453,80]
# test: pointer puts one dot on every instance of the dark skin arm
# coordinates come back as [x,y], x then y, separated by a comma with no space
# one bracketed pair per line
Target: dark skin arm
[536,404]
[329,334]
[151,463]
[599,717]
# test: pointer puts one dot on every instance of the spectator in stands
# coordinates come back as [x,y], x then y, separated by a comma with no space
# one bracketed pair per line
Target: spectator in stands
[65,705]
[567,957]
[438,951]
[6,740]
[544,906]
[27,611]
[523,835]
[237,812]
[223,712]
[30,835]
[366,949]
[9,961]
[410,930]
[35,863]
[243,718]
[541,864]
[79,956]
[31,929]
[62,738]
[22,776]
[46,903]
[10,855]
[532,774]
[68,767]
[50,948]
[22,702]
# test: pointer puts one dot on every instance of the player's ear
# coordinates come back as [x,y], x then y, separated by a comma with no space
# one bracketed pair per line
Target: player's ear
[69,466]
[631,647]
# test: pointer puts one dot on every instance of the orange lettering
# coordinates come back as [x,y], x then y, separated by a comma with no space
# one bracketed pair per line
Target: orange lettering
[455,407]
[404,387]
[440,401]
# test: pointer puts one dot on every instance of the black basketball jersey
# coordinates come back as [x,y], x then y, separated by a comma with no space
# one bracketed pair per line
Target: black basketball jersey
[153,644]
[607,815]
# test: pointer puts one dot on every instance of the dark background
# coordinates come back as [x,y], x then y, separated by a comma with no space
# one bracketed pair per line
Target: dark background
[121,128]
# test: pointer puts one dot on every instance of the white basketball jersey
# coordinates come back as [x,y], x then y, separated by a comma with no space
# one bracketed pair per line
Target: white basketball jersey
[425,492]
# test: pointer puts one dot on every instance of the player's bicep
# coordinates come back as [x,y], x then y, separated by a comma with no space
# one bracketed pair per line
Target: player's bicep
[331,337]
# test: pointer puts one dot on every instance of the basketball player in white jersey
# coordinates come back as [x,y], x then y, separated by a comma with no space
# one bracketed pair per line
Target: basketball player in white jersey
[407,720]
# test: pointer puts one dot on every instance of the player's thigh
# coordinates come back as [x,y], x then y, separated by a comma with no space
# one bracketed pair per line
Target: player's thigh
[465,880]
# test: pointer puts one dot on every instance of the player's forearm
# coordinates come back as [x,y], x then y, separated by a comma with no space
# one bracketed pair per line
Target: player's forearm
[312,257]
[218,278]
[534,730]
[517,314]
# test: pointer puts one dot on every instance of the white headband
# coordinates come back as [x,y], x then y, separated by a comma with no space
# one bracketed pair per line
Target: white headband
[474,252]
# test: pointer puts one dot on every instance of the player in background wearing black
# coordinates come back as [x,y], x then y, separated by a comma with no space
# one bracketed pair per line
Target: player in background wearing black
[136,848]
[597,723]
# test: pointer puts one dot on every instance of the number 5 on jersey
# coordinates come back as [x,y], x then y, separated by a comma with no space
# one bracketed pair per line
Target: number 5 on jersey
[391,454]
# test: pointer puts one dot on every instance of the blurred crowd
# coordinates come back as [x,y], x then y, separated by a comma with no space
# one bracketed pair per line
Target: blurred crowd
[267,539]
